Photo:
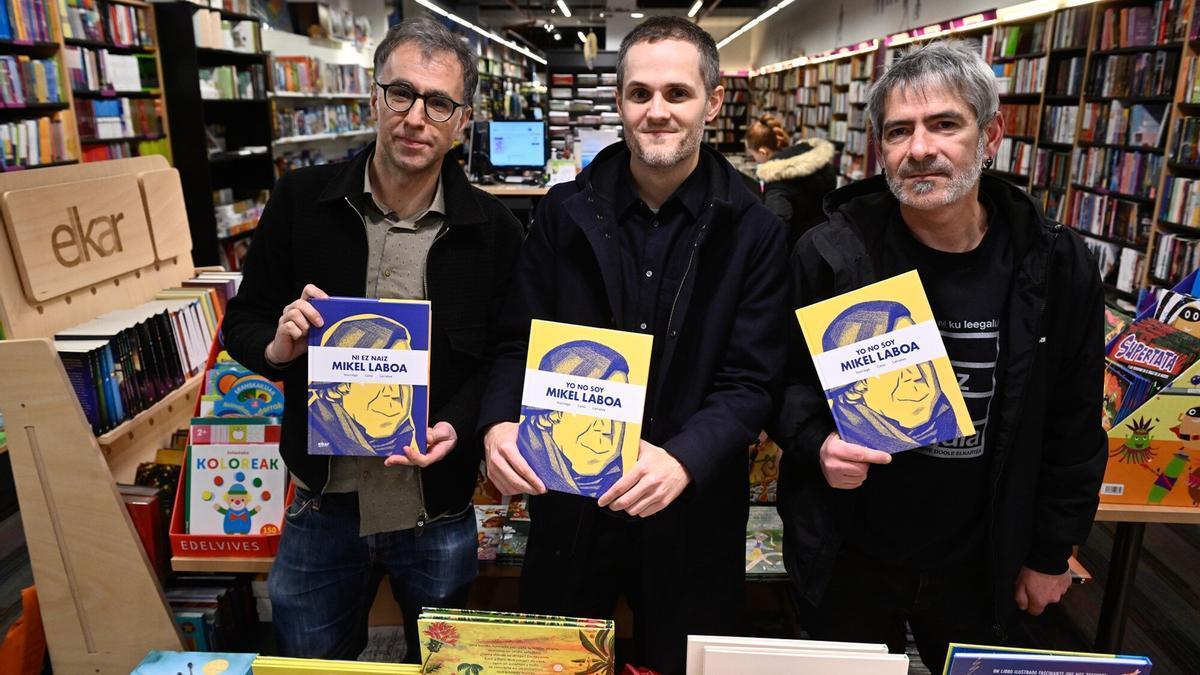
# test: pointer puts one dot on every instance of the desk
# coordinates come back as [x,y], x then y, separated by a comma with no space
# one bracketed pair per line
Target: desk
[1127,548]
[514,190]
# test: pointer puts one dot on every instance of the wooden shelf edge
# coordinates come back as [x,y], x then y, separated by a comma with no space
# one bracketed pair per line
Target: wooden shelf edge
[1137,513]
[147,428]
[226,565]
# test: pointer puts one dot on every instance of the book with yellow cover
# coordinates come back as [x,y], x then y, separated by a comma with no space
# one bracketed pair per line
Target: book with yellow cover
[581,405]
[454,641]
[277,665]
[884,368]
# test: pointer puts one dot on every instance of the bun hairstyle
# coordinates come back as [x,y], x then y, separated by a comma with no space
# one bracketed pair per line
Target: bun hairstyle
[767,132]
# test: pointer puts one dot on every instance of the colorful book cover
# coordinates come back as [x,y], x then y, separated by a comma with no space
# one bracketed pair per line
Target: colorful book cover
[581,405]
[884,368]
[1114,323]
[489,529]
[964,659]
[194,663]
[1151,348]
[764,542]
[514,645]
[232,390]
[1154,454]
[368,377]
[235,489]
[278,665]
[765,456]
[1179,311]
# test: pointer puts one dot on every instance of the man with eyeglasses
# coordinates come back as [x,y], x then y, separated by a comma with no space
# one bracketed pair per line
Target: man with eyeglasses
[395,221]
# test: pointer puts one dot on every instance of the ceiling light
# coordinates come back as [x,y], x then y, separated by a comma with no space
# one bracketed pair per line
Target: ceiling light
[695,8]
[558,36]
[636,15]
[428,4]
[753,22]
[565,10]
[601,15]
[582,37]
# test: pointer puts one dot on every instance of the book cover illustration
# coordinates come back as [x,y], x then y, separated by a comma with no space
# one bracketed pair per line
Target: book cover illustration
[964,659]
[765,456]
[1154,350]
[235,489]
[1154,454]
[368,377]
[232,390]
[581,405]
[1114,323]
[884,368]
[1179,311]
[194,663]
[764,542]
[514,644]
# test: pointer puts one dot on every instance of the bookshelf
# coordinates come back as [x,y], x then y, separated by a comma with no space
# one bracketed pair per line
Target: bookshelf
[727,133]
[114,71]
[216,84]
[36,122]
[509,88]
[581,97]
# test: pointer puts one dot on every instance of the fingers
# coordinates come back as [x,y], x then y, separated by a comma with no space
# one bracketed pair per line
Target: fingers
[637,491]
[1022,598]
[619,488]
[850,452]
[442,431]
[310,291]
[302,311]
[510,472]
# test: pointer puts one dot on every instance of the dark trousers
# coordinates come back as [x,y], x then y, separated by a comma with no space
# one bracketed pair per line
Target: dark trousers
[611,556]
[325,575]
[868,601]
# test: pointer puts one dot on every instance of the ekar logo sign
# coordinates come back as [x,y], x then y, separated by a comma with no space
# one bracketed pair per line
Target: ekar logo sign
[74,243]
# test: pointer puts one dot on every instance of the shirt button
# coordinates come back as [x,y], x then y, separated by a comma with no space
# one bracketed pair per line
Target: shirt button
[643,326]
[649,273]
[654,223]
[387,273]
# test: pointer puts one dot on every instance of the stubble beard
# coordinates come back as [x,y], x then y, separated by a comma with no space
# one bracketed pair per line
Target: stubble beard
[663,158]
[958,185]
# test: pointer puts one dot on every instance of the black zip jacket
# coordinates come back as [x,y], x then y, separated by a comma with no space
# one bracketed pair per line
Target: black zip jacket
[1048,451]
[311,234]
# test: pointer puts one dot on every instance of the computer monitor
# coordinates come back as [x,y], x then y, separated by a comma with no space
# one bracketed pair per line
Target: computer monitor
[517,145]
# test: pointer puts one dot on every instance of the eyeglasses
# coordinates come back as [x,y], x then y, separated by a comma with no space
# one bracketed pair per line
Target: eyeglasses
[401,97]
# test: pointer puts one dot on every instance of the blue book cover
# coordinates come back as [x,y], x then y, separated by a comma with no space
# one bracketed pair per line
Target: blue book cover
[5,23]
[986,660]
[368,377]
[194,663]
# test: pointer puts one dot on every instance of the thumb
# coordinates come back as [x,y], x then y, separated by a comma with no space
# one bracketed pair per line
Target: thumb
[439,432]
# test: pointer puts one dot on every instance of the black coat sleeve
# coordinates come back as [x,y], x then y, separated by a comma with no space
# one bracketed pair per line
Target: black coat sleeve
[463,408]
[252,316]
[746,388]
[1075,447]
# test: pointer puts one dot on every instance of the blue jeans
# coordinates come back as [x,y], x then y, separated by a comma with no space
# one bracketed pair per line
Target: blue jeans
[325,575]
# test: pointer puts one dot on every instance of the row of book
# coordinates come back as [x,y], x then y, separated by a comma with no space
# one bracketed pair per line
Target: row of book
[230,663]
[1020,119]
[1111,217]
[214,612]
[1071,28]
[310,75]
[128,26]
[24,20]
[1023,76]
[322,119]
[24,80]
[1014,156]
[1119,123]
[1058,125]
[231,82]
[1185,147]
[1174,255]
[237,216]
[33,142]
[1141,26]
[1191,84]
[1128,172]
[81,20]
[1180,202]
[1019,39]
[1052,169]
[1050,198]
[104,118]
[214,33]
[1148,74]
[99,152]
[98,69]
[1066,77]
[1120,266]
[124,361]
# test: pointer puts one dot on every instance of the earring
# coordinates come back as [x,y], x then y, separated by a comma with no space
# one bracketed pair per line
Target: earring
[987,163]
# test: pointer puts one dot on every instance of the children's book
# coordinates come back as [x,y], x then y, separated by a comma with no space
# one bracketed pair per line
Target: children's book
[1154,350]
[884,368]
[1179,311]
[963,659]
[194,663]
[454,641]
[278,665]
[765,456]
[764,542]
[368,377]
[1154,454]
[235,489]
[581,405]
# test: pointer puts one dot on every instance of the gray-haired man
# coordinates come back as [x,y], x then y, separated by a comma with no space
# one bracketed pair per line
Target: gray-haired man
[951,538]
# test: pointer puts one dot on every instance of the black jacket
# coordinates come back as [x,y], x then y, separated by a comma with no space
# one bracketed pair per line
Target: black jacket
[1048,451]
[796,180]
[716,381]
[311,234]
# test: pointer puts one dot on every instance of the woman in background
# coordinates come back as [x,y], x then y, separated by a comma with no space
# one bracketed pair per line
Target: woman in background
[795,178]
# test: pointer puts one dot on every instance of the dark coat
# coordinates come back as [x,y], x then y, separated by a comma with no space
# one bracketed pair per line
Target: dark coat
[311,234]
[717,380]
[1048,452]
[796,179]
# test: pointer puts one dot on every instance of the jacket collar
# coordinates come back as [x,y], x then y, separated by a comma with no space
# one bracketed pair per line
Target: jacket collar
[462,208]
[802,159]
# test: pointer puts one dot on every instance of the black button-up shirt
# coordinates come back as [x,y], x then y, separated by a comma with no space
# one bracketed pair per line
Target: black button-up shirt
[656,249]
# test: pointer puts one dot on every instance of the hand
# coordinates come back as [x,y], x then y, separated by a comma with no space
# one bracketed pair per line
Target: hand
[441,439]
[506,468]
[1036,591]
[291,335]
[845,464]
[656,480]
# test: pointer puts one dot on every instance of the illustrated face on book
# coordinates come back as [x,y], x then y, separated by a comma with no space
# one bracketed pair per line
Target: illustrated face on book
[377,410]
[887,411]
[576,446]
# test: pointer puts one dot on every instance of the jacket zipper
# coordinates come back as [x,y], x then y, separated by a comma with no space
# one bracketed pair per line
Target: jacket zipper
[422,514]
[686,271]
[1037,346]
